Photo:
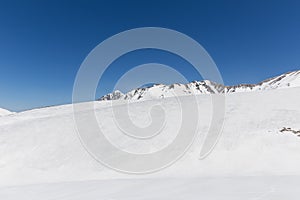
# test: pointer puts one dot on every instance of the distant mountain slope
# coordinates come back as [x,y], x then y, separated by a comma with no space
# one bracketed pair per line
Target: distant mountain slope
[290,79]
[4,112]
[158,91]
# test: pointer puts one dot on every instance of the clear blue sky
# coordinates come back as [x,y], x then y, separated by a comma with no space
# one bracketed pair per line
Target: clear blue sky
[42,43]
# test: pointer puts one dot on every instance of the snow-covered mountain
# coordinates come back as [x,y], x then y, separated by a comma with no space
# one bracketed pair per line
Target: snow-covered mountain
[158,91]
[290,79]
[42,145]
[4,112]
[256,157]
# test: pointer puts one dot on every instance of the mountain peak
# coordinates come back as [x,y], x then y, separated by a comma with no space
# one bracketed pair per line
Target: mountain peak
[158,91]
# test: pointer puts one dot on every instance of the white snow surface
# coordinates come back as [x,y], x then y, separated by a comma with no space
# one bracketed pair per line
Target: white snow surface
[4,112]
[221,188]
[160,91]
[41,155]
[252,158]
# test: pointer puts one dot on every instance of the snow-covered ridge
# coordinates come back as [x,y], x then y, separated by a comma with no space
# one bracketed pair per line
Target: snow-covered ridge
[158,91]
[4,112]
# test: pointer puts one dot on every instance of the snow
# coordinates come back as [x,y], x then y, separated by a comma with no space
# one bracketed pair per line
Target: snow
[221,188]
[42,157]
[287,80]
[252,159]
[159,91]
[4,112]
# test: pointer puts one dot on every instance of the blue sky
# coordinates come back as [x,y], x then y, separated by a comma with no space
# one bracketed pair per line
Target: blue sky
[43,43]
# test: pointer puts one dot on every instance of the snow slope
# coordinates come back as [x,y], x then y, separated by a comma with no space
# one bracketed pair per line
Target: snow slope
[4,112]
[221,188]
[42,145]
[287,80]
[158,91]
[41,155]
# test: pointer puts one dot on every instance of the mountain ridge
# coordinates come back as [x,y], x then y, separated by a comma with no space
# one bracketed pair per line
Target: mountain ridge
[159,91]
